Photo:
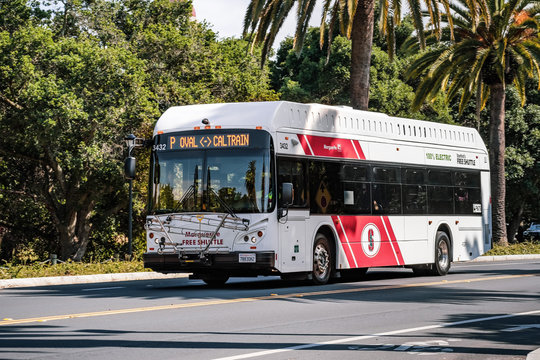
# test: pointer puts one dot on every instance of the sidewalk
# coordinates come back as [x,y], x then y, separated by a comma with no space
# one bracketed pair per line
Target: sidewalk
[86,279]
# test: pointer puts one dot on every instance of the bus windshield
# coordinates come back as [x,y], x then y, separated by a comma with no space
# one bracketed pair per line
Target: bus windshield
[214,180]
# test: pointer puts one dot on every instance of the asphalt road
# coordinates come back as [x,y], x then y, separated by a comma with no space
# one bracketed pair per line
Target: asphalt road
[478,311]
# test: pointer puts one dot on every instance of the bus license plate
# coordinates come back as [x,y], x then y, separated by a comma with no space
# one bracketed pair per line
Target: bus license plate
[247,258]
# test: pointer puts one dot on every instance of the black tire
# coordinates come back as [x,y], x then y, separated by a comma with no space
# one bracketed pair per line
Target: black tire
[443,253]
[215,279]
[323,260]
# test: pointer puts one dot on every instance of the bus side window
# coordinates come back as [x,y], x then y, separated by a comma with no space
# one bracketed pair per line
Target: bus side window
[386,198]
[325,189]
[440,192]
[386,190]
[414,193]
[467,195]
[293,171]
[356,189]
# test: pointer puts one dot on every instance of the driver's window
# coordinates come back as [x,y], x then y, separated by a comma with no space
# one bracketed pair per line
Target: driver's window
[293,171]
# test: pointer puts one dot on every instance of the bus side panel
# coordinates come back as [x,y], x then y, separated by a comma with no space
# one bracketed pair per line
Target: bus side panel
[414,242]
[468,238]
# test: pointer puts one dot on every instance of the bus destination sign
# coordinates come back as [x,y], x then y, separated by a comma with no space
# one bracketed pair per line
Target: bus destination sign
[205,141]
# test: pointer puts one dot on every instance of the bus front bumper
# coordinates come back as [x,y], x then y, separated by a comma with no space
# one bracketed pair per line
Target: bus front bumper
[264,263]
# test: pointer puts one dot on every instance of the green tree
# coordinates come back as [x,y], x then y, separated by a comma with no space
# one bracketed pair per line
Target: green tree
[70,101]
[522,161]
[313,77]
[75,81]
[353,19]
[497,43]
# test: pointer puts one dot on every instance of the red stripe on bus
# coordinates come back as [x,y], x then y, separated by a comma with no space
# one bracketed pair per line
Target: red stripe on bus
[304,143]
[394,241]
[345,245]
[331,147]
[361,154]
[379,247]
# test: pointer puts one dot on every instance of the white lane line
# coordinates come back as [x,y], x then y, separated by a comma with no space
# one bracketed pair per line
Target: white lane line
[105,288]
[365,337]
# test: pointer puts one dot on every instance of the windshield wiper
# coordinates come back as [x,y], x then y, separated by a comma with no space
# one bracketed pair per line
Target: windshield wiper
[190,191]
[224,204]
[220,200]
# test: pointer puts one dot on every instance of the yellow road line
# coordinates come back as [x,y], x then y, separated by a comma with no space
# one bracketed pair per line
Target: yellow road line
[248,299]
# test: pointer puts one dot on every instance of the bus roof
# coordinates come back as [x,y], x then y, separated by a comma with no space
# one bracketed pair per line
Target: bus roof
[284,116]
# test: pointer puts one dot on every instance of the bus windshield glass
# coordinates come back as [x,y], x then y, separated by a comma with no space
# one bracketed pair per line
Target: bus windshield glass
[234,179]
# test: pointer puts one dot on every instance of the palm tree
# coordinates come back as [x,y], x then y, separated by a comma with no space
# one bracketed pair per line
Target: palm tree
[355,20]
[496,43]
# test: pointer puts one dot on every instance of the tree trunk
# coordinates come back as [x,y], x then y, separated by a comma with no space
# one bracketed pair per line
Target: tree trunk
[496,160]
[514,223]
[74,233]
[362,40]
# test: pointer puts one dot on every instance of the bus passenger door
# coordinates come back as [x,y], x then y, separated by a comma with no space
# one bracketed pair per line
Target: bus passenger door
[292,227]
[292,241]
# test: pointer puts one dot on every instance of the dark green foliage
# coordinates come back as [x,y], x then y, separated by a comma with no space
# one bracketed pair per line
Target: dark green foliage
[312,76]
[74,81]
[522,161]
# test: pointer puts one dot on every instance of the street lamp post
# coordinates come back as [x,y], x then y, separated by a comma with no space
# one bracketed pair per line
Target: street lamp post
[129,169]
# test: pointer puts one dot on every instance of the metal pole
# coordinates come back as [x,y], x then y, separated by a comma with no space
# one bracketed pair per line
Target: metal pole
[130,226]
[130,234]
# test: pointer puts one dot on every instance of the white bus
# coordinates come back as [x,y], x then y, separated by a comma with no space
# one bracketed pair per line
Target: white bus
[313,191]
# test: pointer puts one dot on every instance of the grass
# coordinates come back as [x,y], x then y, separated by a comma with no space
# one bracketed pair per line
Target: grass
[528,247]
[10,271]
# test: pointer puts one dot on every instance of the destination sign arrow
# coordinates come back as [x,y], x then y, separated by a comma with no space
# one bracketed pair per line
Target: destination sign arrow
[205,141]
[522,327]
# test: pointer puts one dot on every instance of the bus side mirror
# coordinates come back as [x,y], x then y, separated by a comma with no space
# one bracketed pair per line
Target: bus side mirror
[129,168]
[287,194]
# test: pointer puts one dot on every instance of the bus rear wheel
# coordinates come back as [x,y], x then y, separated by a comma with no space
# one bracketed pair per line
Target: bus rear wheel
[442,255]
[323,261]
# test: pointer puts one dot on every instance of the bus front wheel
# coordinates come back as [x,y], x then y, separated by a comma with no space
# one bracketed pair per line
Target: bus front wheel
[322,260]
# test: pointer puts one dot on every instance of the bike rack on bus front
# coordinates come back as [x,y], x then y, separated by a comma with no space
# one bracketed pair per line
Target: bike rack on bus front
[164,224]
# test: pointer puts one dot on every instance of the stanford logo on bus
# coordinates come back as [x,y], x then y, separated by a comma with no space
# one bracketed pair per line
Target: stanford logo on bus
[371,240]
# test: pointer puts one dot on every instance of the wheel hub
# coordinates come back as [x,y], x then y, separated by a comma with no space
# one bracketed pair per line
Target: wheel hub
[442,254]
[321,259]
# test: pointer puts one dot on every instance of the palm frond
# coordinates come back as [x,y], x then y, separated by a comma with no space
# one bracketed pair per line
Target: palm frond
[304,12]
[416,13]
[322,29]
[519,83]
[421,64]
[253,13]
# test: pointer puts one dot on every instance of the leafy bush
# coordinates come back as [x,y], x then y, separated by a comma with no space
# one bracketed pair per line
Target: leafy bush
[516,249]
[14,271]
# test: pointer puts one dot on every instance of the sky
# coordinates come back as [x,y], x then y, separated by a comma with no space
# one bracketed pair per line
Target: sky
[226,17]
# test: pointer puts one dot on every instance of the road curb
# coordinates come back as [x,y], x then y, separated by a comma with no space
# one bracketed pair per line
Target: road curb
[507,257]
[86,279]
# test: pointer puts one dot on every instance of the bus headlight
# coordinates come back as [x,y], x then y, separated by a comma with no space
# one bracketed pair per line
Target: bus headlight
[252,237]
